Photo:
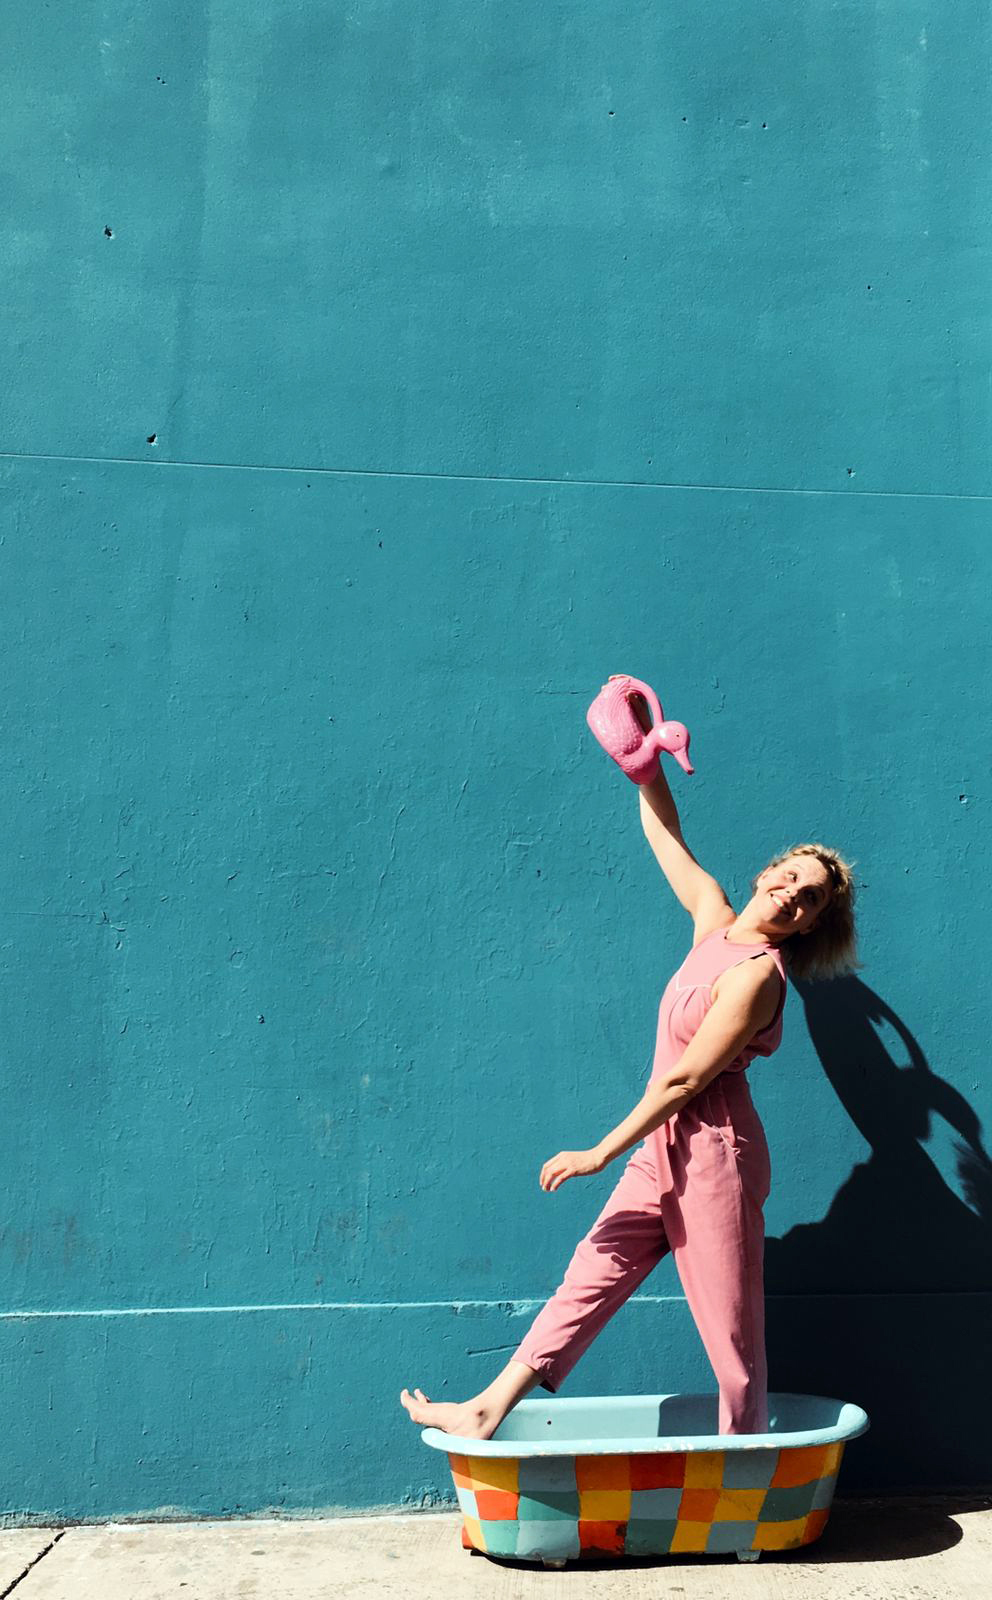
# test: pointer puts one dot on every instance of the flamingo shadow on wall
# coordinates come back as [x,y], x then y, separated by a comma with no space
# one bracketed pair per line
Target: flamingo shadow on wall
[887,1299]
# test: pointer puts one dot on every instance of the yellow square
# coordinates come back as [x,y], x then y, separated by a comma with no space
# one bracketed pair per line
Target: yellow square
[832,1459]
[604,1505]
[739,1505]
[704,1470]
[493,1472]
[689,1536]
[473,1531]
[779,1535]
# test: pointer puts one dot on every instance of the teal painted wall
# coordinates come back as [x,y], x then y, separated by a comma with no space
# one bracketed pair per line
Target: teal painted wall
[377,379]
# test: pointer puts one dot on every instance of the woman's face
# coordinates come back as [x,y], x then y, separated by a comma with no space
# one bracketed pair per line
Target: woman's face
[791,896]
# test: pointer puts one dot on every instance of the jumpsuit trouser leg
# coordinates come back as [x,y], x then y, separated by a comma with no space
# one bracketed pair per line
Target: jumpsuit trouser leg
[696,1190]
[715,1224]
[626,1241]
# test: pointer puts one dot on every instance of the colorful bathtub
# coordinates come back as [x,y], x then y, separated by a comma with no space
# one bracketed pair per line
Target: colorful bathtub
[643,1475]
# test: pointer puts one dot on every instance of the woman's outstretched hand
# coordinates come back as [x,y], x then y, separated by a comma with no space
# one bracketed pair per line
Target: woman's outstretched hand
[569,1164]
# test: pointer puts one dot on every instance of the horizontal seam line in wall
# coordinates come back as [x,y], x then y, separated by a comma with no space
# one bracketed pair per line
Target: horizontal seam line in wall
[522,1303]
[479,477]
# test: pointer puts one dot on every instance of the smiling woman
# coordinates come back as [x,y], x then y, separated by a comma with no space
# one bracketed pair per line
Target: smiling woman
[826,884]
[697,1184]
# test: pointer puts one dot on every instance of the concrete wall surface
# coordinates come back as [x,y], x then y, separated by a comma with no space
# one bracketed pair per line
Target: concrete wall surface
[378,378]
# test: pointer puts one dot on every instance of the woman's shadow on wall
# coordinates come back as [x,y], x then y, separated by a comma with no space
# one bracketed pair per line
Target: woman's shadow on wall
[886,1299]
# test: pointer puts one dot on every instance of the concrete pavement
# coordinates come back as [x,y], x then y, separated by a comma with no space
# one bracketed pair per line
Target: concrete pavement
[880,1549]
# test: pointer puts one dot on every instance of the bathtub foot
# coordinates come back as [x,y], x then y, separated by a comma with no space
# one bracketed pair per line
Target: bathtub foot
[552,1561]
[748,1555]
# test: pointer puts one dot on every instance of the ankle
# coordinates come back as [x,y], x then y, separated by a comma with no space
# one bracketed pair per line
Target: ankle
[508,1387]
[488,1400]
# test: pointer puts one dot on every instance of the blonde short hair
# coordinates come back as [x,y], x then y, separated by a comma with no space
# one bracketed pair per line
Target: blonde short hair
[830,951]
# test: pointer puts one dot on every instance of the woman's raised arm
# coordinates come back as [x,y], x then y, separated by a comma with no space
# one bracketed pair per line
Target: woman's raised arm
[695,888]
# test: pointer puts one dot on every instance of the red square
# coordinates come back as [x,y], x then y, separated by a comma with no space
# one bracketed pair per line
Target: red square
[815,1524]
[602,1472]
[496,1505]
[607,1536]
[698,1505]
[798,1465]
[657,1471]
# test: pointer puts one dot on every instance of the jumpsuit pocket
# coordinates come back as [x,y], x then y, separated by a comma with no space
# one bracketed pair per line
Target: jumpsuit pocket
[753,1161]
[750,1154]
[728,1141]
[720,1121]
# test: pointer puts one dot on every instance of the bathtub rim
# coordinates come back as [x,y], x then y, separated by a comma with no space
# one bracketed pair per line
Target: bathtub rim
[852,1422]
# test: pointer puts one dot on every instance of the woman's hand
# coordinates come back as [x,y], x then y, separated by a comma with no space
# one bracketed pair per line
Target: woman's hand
[569,1164]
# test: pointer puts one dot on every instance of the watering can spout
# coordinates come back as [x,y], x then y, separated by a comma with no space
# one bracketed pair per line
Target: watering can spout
[674,737]
[682,757]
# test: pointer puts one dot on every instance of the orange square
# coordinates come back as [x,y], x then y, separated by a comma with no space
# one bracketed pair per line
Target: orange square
[604,1505]
[496,1505]
[689,1537]
[799,1466]
[602,1472]
[494,1472]
[739,1505]
[779,1535]
[704,1469]
[472,1534]
[831,1462]
[460,1471]
[608,1536]
[815,1524]
[698,1505]
[657,1471]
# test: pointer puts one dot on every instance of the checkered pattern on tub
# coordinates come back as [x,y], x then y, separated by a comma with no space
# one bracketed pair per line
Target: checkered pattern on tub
[645,1504]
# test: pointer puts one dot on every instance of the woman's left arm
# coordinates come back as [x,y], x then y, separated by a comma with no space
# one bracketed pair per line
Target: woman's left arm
[746,1003]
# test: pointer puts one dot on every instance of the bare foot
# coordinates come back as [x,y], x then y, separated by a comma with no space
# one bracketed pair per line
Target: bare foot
[472,1419]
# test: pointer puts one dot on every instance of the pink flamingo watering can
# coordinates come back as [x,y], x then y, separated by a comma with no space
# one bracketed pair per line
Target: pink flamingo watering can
[613,721]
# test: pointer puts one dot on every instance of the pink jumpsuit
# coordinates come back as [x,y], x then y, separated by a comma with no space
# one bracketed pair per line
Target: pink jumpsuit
[696,1186]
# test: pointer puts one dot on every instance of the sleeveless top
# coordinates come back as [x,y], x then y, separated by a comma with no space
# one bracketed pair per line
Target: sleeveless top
[687,998]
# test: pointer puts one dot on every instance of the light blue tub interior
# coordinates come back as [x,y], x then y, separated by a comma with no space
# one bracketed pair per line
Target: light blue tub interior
[625,1424]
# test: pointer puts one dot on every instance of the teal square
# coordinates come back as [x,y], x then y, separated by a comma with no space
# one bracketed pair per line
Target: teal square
[749,1469]
[548,1505]
[650,1536]
[654,1505]
[467,1502]
[783,1505]
[546,1472]
[500,1538]
[553,1540]
[726,1536]
[823,1498]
